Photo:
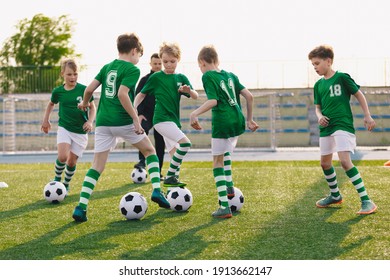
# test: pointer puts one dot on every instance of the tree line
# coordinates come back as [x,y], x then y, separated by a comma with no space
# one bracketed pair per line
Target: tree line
[29,60]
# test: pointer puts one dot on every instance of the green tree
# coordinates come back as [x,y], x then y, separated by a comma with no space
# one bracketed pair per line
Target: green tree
[40,41]
[30,58]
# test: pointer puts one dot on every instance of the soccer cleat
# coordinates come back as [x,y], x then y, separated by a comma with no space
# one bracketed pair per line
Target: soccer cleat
[173,181]
[368,207]
[230,192]
[140,165]
[387,163]
[159,198]
[79,214]
[222,213]
[327,201]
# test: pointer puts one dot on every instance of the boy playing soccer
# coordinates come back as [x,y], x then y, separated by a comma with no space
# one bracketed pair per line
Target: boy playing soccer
[73,124]
[117,119]
[223,90]
[332,95]
[146,113]
[168,86]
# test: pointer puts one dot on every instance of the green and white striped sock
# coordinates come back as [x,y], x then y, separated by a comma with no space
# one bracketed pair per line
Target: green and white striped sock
[357,181]
[69,172]
[153,166]
[220,182]
[89,184]
[177,158]
[330,176]
[58,169]
[227,162]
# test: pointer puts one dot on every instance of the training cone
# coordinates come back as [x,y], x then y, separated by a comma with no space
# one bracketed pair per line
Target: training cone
[387,163]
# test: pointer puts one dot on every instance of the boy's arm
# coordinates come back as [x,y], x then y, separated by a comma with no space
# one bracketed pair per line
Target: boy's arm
[124,98]
[88,125]
[46,126]
[88,94]
[187,89]
[252,125]
[138,99]
[322,120]
[202,109]
[369,122]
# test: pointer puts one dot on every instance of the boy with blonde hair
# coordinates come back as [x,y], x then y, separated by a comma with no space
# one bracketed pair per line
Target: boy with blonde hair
[73,124]
[168,87]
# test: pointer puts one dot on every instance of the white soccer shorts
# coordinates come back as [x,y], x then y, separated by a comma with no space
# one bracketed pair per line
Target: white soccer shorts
[339,141]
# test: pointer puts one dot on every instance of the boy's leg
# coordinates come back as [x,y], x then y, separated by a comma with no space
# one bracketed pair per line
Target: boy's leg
[146,125]
[70,169]
[58,169]
[69,172]
[176,161]
[368,206]
[89,183]
[220,182]
[335,196]
[154,173]
[146,147]
[227,162]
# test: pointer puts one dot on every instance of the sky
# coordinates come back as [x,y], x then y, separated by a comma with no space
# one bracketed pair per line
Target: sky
[262,40]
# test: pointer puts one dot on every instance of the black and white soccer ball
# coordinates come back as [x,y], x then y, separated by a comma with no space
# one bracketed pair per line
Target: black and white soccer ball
[133,206]
[180,199]
[54,192]
[237,201]
[139,175]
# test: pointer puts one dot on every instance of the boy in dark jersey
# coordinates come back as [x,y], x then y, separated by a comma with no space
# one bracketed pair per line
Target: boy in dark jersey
[73,124]
[223,90]
[116,119]
[168,86]
[332,94]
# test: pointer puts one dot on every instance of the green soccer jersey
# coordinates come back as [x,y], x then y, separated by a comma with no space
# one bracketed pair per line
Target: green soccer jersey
[333,95]
[110,111]
[70,117]
[227,117]
[165,89]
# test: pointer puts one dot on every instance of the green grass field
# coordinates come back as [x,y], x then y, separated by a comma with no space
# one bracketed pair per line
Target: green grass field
[279,220]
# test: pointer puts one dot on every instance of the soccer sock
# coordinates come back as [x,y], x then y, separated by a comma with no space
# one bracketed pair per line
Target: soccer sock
[227,162]
[357,181]
[220,182]
[89,184]
[177,158]
[330,176]
[154,171]
[69,172]
[58,169]
[177,172]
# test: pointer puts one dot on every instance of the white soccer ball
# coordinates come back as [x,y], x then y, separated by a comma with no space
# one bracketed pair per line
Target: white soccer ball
[180,199]
[54,192]
[237,201]
[139,175]
[133,206]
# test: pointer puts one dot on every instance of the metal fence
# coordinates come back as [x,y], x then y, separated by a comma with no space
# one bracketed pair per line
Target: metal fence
[29,79]
[286,117]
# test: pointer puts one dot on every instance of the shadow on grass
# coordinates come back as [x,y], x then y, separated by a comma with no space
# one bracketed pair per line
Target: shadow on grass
[187,245]
[70,199]
[49,246]
[304,232]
